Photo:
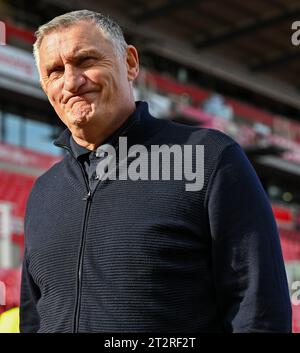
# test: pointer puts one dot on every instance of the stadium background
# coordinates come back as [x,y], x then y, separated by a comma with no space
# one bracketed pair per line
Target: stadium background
[224,64]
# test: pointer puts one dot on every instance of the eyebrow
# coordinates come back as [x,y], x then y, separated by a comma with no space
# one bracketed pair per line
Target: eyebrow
[75,58]
[84,52]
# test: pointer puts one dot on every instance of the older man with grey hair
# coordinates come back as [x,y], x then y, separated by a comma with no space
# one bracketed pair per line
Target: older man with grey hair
[138,255]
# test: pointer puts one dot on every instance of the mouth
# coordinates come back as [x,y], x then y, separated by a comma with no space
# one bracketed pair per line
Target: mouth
[75,99]
[78,98]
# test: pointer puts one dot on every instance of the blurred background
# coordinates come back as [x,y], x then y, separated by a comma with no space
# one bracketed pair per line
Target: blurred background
[223,64]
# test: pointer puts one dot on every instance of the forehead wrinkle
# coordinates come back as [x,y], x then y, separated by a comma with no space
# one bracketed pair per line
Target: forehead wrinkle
[59,46]
[79,52]
[73,58]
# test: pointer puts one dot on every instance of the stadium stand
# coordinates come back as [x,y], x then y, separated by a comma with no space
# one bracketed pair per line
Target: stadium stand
[264,118]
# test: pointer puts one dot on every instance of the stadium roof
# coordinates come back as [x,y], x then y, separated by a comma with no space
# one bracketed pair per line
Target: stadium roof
[246,43]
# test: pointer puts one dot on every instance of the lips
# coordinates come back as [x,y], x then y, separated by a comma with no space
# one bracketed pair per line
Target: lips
[77,98]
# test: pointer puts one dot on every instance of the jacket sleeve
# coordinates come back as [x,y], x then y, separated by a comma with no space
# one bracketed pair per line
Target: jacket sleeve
[248,267]
[29,317]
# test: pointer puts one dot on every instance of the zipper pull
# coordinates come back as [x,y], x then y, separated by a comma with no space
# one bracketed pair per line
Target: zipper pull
[87,196]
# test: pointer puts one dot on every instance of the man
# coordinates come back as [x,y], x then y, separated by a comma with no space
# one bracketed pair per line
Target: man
[123,255]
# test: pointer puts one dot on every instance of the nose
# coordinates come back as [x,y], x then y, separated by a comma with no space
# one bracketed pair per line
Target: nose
[73,79]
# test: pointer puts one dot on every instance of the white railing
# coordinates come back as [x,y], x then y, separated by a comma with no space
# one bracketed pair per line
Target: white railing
[6,254]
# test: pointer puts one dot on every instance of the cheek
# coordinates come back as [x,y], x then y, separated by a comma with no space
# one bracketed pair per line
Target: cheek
[54,91]
[101,77]
[95,76]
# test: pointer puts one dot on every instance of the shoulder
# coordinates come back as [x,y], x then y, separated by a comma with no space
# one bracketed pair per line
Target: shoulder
[214,141]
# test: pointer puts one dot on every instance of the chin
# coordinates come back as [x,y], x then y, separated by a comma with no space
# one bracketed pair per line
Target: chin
[80,122]
[80,118]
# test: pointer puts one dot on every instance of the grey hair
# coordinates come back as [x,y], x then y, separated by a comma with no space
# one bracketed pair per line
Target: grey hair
[108,26]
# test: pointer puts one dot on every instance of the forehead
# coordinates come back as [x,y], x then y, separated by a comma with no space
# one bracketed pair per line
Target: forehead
[66,42]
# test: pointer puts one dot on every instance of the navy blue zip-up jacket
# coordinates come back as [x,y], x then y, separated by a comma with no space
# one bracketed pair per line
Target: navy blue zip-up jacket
[149,256]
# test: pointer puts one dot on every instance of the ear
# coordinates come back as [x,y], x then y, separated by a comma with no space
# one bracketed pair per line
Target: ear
[132,61]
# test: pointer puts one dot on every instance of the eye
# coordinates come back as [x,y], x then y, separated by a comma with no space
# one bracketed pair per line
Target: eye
[86,61]
[55,71]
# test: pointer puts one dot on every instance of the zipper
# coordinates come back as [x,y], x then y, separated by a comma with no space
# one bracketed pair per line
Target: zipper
[88,199]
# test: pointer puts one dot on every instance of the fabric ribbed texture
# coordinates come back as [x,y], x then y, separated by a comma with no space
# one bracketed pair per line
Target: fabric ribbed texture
[155,258]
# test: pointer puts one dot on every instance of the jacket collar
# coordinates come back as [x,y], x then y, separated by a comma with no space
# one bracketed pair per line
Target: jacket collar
[135,128]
